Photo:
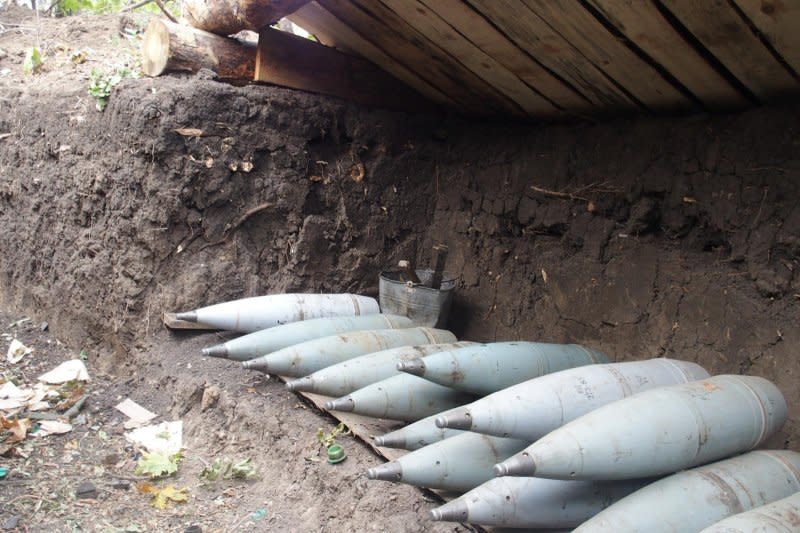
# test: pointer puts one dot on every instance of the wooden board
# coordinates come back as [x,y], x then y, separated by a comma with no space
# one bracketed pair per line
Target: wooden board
[333,32]
[533,35]
[579,26]
[727,35]
[482,34]
[779,22]
[399,40]
[642,23]
[465,52]
[291,61]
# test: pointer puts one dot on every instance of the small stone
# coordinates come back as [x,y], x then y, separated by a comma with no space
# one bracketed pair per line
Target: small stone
[210,396]
[44,326]
[11,523]
[121,484]
[86,491]
[194,528]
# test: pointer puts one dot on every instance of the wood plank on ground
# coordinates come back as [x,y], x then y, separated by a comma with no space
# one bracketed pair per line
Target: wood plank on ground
[496,45]
[382,27]
[642,23]
[720,29]
[533,35]
[292,61]
[333,32]
[779,22]
[436,29]
[579,26]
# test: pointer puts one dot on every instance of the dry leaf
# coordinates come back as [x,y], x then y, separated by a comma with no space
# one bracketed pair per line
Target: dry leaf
[162,496]
[357,172]
[18,428]
[189,132]
[52,427]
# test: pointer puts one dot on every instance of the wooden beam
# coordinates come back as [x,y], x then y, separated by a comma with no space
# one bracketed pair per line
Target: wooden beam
[292,61]
[642,23]
[226,17]
[465,52]
[720,29]
[331,31]
[578,26]
[381,26]
[170,47]
[495,44]
[779,22]
[531,32]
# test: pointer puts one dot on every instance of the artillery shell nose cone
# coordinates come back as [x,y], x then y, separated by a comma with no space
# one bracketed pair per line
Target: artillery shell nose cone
[386,472]
[454,511]
[253,365]
[216,351]
[456,420]
[302,384]
[521,465]
[189,316]
[345,404]
[389,441]
[415,367]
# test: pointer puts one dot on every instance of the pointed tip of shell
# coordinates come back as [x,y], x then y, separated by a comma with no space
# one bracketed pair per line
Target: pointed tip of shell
[391,471]
[345,404]
[255,364]
[216,351]
[301,385]
[415,367]
[453,511]
[188,316]
[521,465]
[460,419]
[390,440]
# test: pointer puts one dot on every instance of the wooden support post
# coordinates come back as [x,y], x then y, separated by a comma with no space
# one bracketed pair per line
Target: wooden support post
[226,17]
[292,61]
[170,47]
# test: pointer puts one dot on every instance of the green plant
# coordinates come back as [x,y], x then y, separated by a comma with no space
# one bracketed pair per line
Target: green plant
[329,439]
[101,84]
[33,60]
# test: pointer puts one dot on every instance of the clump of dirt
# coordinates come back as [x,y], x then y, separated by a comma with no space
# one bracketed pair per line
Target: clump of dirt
[675,237]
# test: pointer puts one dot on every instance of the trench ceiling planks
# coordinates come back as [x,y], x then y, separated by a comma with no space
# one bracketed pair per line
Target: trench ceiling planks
[550,59]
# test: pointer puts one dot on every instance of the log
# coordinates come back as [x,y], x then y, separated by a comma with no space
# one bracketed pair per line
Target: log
[226,17]
[170,47]
[291,61]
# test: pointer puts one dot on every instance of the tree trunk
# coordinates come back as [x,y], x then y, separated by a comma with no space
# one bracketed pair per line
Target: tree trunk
[226,17]
[170,47]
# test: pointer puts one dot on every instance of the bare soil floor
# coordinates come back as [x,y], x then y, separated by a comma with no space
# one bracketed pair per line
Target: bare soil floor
[641,237]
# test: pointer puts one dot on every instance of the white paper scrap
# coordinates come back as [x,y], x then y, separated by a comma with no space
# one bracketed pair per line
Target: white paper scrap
[16,351]
[52,427]
[67,371]
[137,414]
[166,437]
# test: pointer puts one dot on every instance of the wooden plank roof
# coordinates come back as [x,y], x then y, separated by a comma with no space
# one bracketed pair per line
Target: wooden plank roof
[545,59]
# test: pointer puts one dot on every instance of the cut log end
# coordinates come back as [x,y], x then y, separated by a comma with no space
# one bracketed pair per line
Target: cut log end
[170,47]
[155,48]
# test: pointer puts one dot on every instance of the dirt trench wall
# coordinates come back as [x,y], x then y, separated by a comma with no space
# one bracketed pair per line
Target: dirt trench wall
[675,237]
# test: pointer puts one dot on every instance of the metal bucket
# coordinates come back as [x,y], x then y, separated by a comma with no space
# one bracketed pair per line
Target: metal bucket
[423,305]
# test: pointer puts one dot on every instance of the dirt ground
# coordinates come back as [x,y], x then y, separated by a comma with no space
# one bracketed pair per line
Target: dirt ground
[671,236]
